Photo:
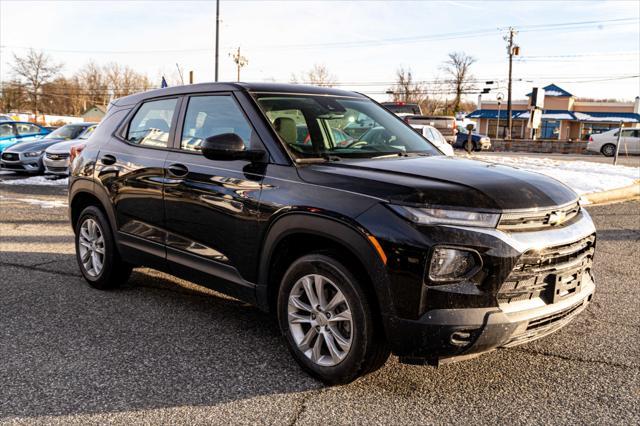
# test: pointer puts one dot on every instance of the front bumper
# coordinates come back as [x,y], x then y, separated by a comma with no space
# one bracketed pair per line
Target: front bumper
[21,164]
[447,335]
[56,167]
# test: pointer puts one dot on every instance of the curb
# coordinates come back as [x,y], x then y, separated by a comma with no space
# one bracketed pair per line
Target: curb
[614,195]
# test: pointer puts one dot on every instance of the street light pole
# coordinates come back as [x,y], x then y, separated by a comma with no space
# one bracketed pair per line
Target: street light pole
[217,36]
[512,50]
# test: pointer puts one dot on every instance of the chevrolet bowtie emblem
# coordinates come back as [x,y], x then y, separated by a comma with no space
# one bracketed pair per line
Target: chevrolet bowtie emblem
[556,218]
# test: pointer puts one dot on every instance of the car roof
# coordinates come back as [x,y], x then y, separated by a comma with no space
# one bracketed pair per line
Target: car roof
[226,87]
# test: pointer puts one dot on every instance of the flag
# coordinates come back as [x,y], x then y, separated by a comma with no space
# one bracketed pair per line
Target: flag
[164,83]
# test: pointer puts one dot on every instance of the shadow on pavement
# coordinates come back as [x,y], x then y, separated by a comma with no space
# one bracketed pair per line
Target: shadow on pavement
[69,349]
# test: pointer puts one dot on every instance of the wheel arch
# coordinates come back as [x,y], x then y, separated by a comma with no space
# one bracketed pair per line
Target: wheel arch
[82,194]
[296,234]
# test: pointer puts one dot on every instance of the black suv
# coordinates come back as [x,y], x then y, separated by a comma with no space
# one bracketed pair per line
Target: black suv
[361,249]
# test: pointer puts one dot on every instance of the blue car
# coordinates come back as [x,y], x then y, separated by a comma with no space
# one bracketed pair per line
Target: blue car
[12,132]
[480,142]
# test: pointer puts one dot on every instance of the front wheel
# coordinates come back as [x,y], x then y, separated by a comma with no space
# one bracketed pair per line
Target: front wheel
[327,320]
[608,150]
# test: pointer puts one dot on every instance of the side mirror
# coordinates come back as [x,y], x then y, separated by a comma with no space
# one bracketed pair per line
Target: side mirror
[229,146]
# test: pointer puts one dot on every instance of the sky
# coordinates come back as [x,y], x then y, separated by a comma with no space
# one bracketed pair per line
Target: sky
[591,49]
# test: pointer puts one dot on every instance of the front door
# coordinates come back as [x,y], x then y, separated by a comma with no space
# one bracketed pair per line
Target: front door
[211,206]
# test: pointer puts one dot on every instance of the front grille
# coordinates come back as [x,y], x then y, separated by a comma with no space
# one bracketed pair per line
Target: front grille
[52,156]
[13,166]
[535,220]
[537,271]
[10,156]
[546,325]
[57,169]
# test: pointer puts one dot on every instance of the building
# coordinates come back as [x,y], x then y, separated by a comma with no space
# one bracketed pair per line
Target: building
[564,117]
[94,114]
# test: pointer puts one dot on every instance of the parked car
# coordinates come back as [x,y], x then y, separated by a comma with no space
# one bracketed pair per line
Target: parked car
[435,137]
[384,245]
[478,142]
[605,142]
[402,108]
[5,117]
[26,156]
[444,123]
[12,132]
[56,157]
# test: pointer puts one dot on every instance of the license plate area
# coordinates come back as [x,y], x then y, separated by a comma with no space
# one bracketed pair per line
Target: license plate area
[566,284]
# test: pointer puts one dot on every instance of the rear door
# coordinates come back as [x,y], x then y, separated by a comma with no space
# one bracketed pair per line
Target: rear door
[211,206]
[630,141]
[131,169]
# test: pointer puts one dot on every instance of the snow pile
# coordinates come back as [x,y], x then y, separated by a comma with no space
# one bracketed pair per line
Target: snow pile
[36,180]
[583,116]
[582,176]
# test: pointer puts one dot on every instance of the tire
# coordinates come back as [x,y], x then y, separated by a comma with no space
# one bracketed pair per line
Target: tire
[608,150]
[92,234]
[358,345]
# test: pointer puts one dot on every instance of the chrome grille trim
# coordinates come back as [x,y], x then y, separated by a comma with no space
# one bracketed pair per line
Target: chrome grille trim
[538,219]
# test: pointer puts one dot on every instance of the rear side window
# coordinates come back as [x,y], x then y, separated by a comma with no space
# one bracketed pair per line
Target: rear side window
[6,130]
[152,123]
[210,116]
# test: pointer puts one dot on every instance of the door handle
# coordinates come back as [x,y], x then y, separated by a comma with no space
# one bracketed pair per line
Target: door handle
[178,170]
[108,159]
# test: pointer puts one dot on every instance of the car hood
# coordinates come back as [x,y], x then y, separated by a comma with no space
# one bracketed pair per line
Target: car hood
[444,181]
[65,146]
[35,145]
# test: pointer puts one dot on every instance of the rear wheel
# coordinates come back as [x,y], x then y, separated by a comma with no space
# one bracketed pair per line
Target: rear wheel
[608,150]
[96,252]
[328,322]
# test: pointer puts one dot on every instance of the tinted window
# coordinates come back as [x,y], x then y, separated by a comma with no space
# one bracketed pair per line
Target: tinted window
[152,123]
[27,129]
[210,116]
[6,130]
[70,131]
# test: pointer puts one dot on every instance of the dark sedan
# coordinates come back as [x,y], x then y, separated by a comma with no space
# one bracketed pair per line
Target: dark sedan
[27,156]
[479,142]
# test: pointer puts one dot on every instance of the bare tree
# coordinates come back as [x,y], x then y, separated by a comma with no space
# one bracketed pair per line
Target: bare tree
[37,68]
[13,96]
[458,67]
[406,89]
[319,75]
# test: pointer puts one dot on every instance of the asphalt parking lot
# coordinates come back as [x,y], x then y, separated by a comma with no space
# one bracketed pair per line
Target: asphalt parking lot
[161,350]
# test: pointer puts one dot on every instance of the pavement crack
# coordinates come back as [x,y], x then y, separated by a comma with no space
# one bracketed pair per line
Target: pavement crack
[303,406]
[36,268]
[575,359]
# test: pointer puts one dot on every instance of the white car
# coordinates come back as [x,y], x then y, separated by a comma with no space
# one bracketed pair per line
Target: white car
[434,136]
[56,157]
[605,142]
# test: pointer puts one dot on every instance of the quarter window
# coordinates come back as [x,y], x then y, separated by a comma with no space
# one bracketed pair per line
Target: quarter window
[6,130]
[152,123]
[210,116]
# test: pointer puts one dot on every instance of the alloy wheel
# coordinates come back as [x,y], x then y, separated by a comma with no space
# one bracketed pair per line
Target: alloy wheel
[320,321]
[91,247]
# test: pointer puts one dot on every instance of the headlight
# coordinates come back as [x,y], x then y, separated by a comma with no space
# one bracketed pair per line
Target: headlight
[430,216]
[33,154]
[450,264]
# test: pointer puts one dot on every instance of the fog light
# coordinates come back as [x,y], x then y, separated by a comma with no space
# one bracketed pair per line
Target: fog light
[449,264]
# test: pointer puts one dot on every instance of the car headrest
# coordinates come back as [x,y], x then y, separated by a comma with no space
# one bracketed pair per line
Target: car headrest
[286,128]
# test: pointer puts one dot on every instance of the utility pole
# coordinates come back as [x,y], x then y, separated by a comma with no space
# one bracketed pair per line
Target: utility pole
[240,61]
[512,50]
[217,35]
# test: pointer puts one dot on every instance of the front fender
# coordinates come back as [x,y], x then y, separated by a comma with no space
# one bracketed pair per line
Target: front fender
[349,235]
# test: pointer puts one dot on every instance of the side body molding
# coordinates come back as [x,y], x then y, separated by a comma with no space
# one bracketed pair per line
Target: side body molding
[350,236]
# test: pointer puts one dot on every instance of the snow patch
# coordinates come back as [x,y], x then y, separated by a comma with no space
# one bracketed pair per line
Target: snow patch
[553,93]
[586,117]
[45,204]
[36,180]
[581,176]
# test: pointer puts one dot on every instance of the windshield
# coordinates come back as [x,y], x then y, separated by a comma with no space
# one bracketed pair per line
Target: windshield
[321,126]
[66,132]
